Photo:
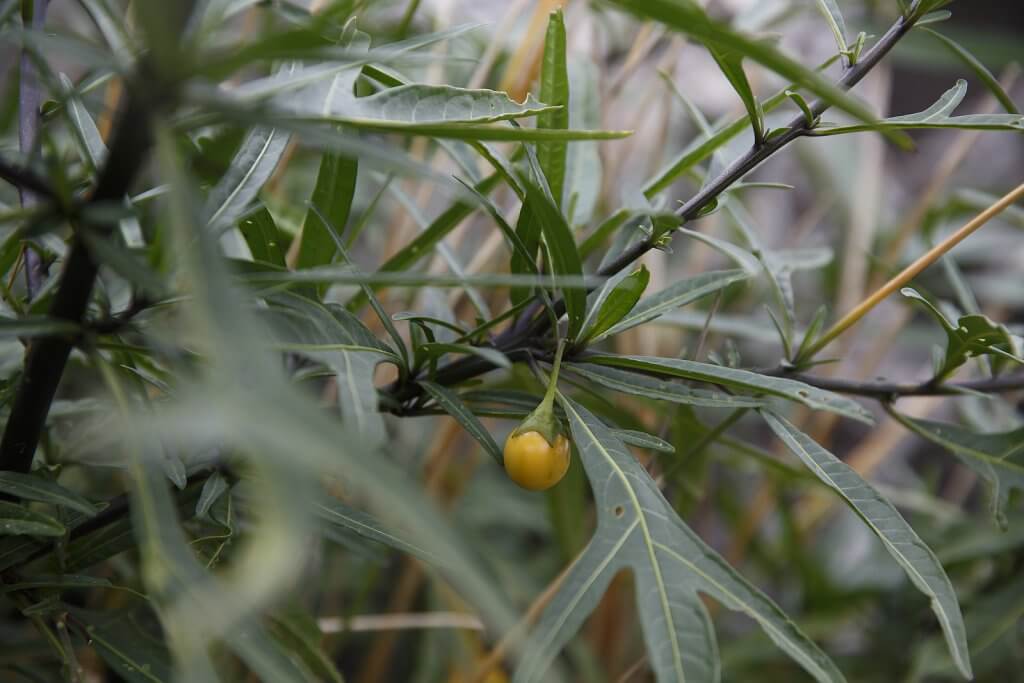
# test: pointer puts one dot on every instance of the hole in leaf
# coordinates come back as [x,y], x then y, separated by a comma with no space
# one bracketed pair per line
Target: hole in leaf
[618,511]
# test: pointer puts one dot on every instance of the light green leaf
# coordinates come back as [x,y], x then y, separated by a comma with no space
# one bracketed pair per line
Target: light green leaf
[251,168]
[939,115]
[643,440]
[554,90]
[731,64]
[332,335]
[979,69]
[17,519]
[639,384]
[86,132]
[900,540]
[638,529]
[972,335]
[830,10]
[613,301]
[789,389]
[994,456]
[450,402]
[675,296]
[491,355]
[332,511]
[35,487]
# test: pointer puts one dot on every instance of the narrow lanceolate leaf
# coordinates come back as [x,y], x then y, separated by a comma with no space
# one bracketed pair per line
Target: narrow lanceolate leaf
[906,547]
[997,457]
[677,295]
[939,115]
[613,301]
[830,10]
[454,406]
[335,337]
[95,150]
[639,384]
[251,168]
[644,440]
[33,487]
[731,64]
[734,378]
[979,69]
[332,195]
[36,326]
[637,529]
[554,90]
[562,254]
[334,512]
[417,103]
[687,17]
[16,519]
[263,237]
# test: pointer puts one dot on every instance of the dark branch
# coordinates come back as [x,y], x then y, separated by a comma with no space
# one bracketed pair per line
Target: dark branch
[47,356]
[25,179]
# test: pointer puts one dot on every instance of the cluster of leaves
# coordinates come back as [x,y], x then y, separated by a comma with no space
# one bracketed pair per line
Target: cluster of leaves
[177,476]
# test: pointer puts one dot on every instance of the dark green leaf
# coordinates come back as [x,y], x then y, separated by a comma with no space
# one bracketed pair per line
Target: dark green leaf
[638,384]
[35,487]
[554,90]
[613,301]
[17,520]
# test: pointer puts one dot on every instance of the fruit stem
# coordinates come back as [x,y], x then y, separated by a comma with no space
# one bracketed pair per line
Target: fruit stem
[549,395]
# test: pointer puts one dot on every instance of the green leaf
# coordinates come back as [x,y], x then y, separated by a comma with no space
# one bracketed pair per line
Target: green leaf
[333,336]
[994,456]
[424,243]
[644,440]
[84,128]
[493,356]
[900,540]
[213,488]
[562,255]
[731,64]
[675,296]
[688,18]
[554,90]
[638,384]
[36,326]
[939,115]
[254,163]
[16,520]
[450,402]
[35,487]
[972,335]
[332,195]
[613,301]
[789,389]
[297,634]
[330,510]
[136,655]
[830,10]
[979,69]
[263,237]
[62,581]
[637,529]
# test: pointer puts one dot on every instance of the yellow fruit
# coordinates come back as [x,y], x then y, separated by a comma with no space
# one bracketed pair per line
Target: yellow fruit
[533,463]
